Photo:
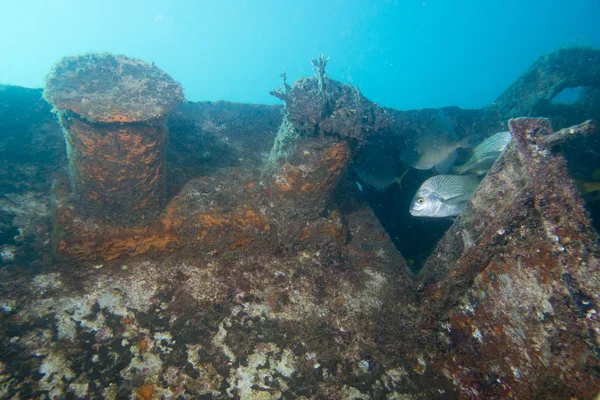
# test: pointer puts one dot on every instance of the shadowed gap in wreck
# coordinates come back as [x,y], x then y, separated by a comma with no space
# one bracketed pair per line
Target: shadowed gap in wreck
[538,93]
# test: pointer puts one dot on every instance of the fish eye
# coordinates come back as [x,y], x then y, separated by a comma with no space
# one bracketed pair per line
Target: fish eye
[420,200]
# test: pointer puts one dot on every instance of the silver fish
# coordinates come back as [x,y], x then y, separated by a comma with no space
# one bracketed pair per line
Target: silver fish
[376,168]
[436,148]
[443,196]
[485,154]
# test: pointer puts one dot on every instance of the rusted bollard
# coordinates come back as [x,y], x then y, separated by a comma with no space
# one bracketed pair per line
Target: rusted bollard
[112,109]
[324,123]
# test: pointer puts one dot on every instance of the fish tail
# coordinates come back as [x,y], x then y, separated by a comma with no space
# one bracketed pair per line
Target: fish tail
[459,169]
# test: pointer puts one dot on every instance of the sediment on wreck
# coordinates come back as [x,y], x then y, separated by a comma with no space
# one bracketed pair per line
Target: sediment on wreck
[516,274]
[112,110]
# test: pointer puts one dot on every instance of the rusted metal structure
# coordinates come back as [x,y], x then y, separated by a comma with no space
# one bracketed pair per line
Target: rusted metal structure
[113,111]
[515,276]
[280,207]
[275,279]
[531,94]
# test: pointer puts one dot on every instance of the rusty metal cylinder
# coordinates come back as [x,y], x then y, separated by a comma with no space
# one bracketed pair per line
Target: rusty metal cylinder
[305,180]
[325,122]
[113,110]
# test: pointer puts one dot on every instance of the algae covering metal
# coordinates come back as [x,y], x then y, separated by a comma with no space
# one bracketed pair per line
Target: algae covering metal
[102,87]
[513,287]
[113,111]
[266,274]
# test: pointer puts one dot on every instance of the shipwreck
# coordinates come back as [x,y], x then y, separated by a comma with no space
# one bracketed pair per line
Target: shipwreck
[157,248]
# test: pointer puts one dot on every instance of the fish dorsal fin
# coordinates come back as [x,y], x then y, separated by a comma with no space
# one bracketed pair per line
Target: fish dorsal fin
[443,167]
[443,124]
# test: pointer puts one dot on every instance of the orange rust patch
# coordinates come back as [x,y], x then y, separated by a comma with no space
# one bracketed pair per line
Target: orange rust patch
[306,233]
[249,218]
[103,241]
[136,245]
[231,224]
[89,145]
[93,172]
[142,346]
[168,221]
[210,221]
[142,205]
[490,270]
[331,227]
[283,188]
[146,392]
[241,242]
[334,230]
[305,187]
[291,175]
[111,243]
[337,154]
[117,118]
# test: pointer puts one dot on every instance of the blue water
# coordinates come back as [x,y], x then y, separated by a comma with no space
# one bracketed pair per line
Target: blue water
[403,54]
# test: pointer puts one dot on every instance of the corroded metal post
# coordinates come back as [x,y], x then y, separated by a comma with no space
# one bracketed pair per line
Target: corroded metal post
[324,124]
[112,110]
